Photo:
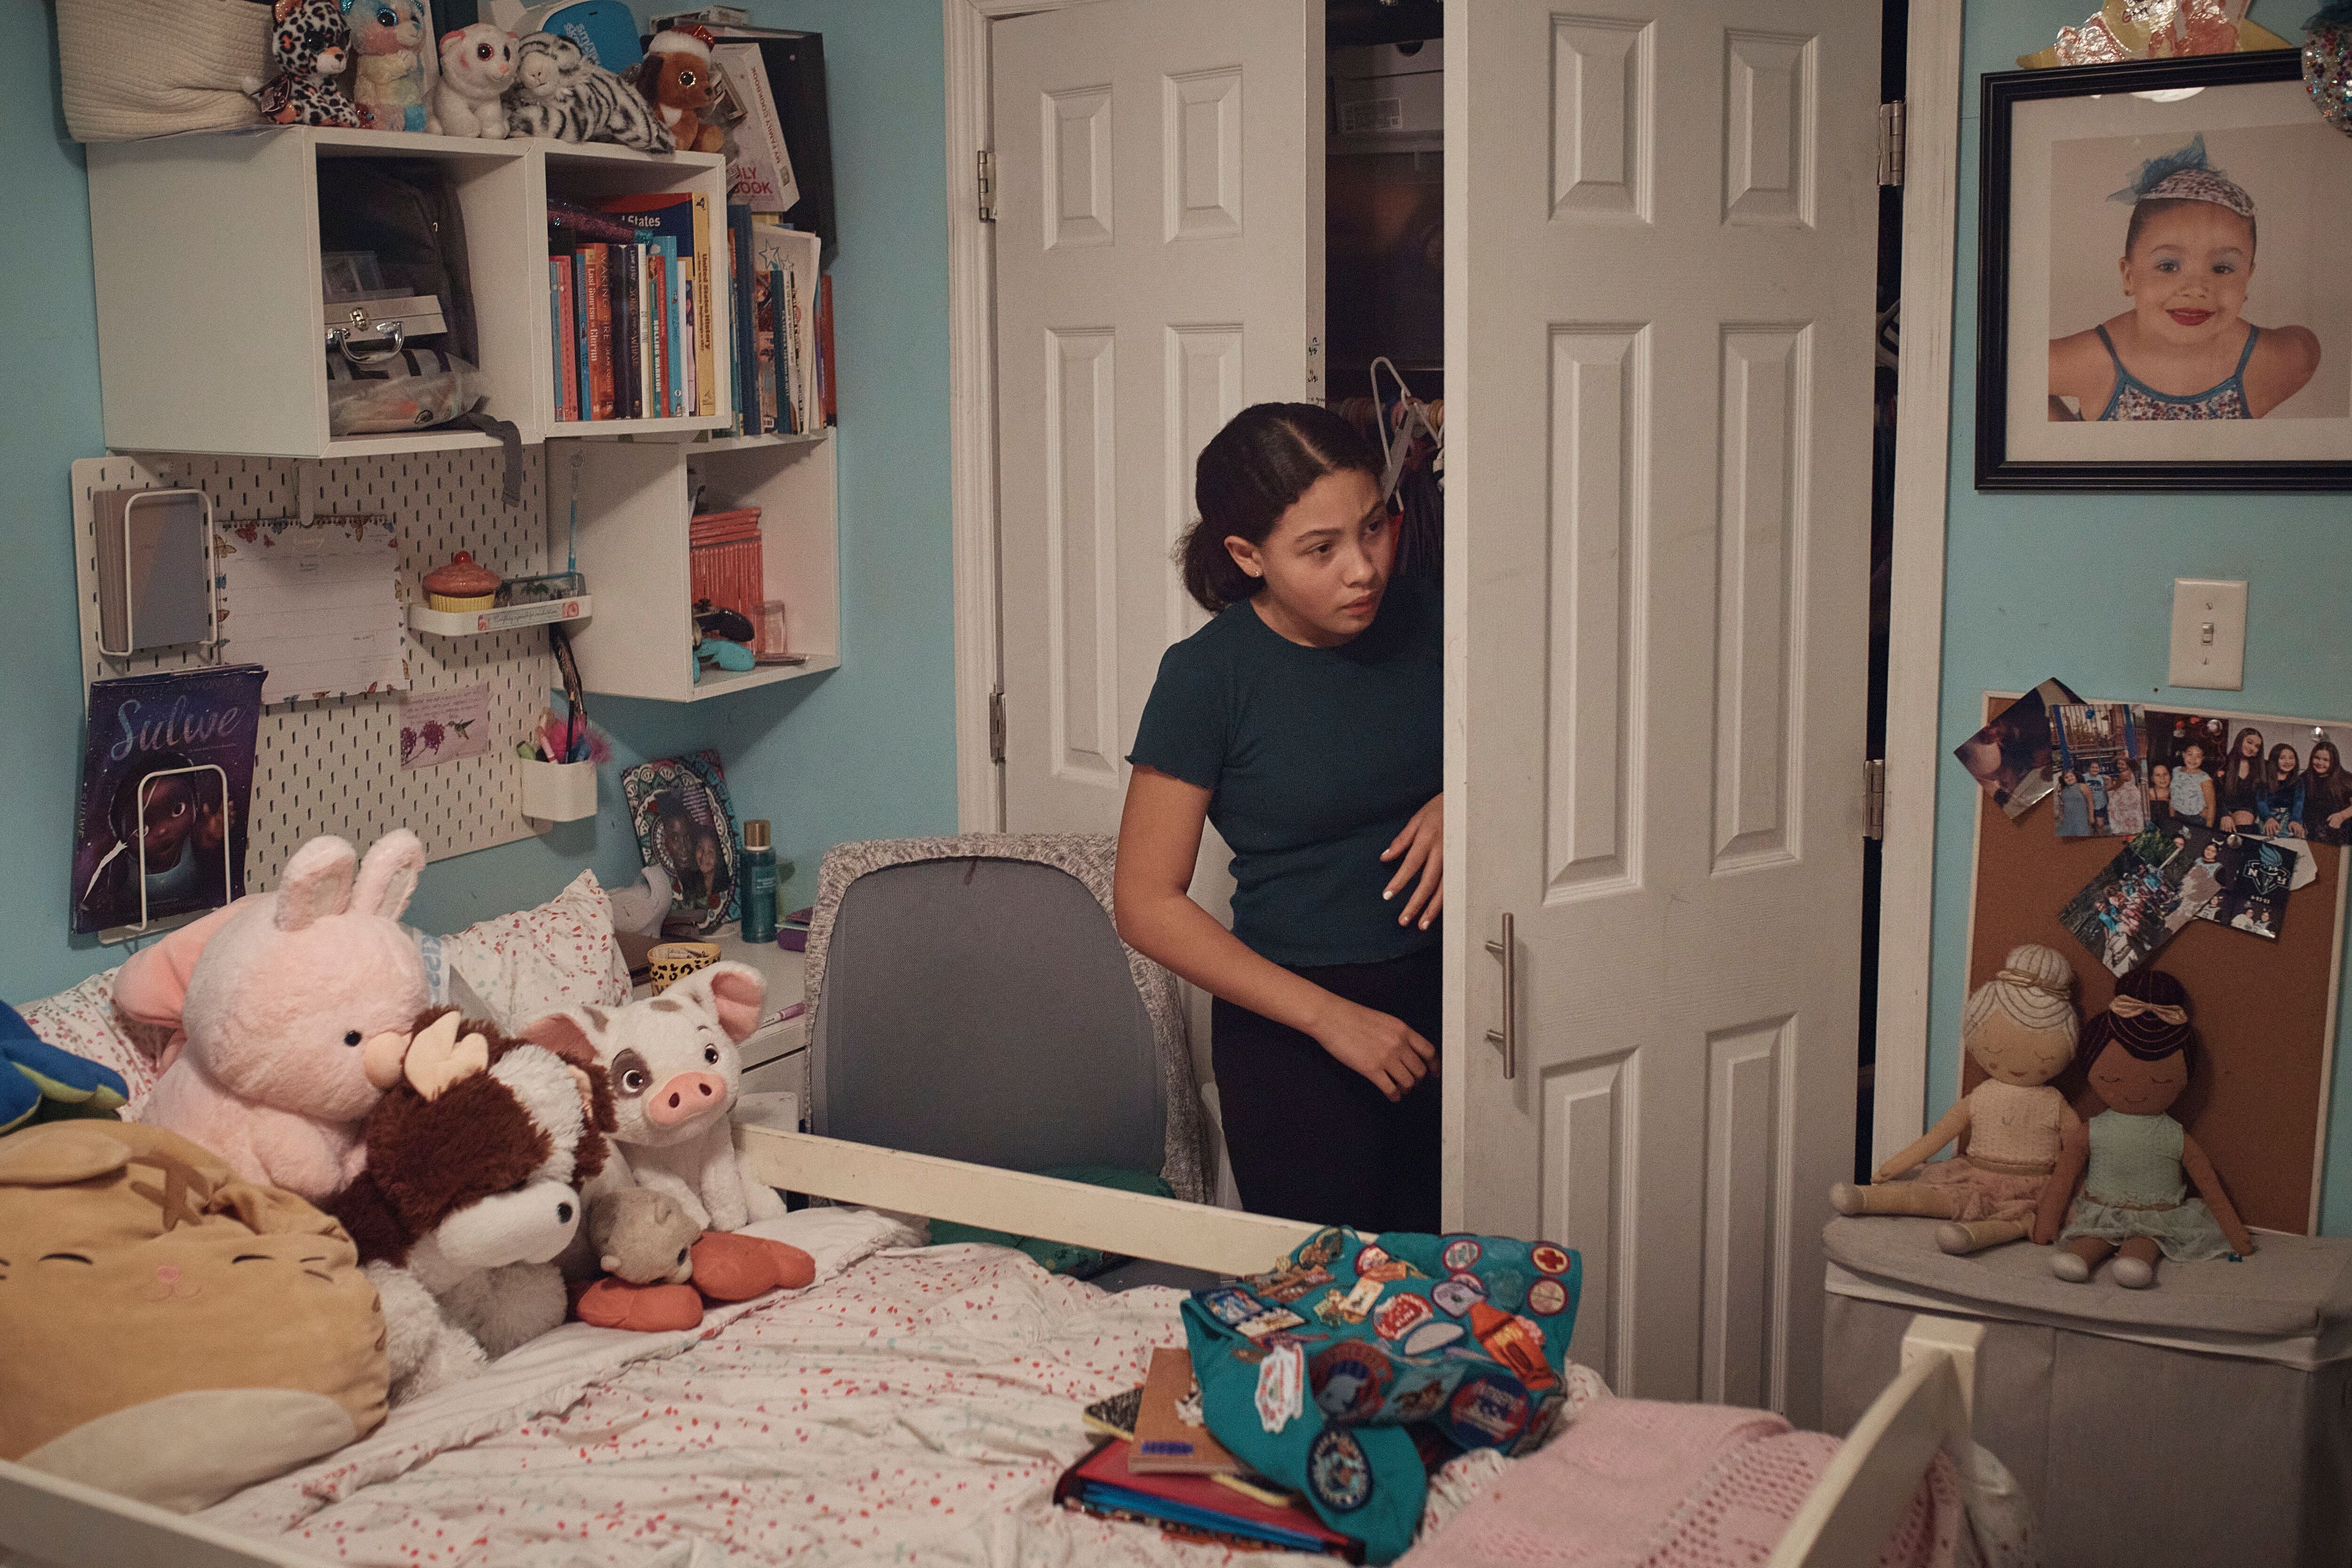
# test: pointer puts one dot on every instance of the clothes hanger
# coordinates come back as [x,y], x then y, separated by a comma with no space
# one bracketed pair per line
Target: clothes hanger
[1410,411]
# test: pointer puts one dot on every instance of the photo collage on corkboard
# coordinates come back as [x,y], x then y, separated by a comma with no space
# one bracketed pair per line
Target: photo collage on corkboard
[2251,926]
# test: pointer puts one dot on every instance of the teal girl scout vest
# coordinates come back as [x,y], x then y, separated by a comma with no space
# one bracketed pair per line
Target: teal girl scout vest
[1359,1361]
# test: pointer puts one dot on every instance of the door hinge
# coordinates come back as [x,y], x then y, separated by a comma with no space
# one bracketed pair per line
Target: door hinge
[987,186]
[1874,797]
[997,725]
[1890,143]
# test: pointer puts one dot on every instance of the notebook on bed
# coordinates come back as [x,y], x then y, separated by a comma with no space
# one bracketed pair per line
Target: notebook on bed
[1195,1506]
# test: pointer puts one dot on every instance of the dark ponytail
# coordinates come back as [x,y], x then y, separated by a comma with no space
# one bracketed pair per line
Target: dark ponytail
[1250,473]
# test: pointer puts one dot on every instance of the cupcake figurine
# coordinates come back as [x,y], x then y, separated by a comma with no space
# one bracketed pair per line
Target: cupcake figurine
[462,584]
[2139,1162]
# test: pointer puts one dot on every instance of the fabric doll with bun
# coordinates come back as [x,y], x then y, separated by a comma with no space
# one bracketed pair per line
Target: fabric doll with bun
[2137,1163]
[2019,1027]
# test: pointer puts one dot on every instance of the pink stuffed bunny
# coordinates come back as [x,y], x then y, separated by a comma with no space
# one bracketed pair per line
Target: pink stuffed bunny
[281,1004]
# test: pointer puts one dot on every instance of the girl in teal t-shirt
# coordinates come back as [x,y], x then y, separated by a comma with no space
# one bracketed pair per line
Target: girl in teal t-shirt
[1305,721]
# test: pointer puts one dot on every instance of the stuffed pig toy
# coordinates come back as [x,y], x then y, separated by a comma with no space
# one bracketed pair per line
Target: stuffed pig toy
[280,1006]
[675,1070]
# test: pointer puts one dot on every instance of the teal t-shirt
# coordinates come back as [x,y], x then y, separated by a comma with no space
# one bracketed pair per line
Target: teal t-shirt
[1315,758]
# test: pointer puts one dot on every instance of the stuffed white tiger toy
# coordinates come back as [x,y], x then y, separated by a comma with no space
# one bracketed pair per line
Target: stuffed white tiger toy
[558,94]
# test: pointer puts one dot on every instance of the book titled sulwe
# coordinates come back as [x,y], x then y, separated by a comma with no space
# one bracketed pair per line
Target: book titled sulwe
[166,784]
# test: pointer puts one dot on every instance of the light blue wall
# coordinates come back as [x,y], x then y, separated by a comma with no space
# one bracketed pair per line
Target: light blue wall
[2030,578]
[867,750]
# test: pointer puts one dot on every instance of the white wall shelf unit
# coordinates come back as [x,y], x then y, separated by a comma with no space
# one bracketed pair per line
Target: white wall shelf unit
[206,249]
[637,504]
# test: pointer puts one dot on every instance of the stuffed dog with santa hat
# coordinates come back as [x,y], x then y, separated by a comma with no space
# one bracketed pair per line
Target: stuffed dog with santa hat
[676,79]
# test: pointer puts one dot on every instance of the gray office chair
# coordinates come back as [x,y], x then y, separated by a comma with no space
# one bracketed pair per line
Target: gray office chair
[970,998]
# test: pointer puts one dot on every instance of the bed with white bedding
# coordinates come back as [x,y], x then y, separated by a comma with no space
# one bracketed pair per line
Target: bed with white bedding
[913,1405]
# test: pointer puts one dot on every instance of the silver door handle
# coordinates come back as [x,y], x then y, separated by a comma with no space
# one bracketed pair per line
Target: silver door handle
[1508,1036]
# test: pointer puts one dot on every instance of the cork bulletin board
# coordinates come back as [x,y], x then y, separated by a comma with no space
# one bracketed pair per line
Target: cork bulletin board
[2264,1011]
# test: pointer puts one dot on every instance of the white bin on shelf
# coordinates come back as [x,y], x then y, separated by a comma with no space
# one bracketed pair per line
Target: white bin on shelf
[558,792]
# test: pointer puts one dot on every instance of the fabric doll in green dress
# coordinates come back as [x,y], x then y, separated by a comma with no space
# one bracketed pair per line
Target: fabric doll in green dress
[2136,1162]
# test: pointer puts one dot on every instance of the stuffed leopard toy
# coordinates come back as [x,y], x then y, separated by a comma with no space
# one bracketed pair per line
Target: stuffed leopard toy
[311,44]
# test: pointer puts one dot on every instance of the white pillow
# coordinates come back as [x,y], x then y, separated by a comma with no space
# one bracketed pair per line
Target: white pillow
[535,961]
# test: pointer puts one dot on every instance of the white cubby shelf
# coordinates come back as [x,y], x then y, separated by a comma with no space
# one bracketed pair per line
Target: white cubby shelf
[637,506]
[206,252]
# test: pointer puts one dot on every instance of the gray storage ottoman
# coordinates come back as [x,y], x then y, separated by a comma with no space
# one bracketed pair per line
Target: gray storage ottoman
[2205,1422]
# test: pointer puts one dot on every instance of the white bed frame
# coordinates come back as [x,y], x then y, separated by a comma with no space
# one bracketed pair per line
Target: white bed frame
[1843,1524]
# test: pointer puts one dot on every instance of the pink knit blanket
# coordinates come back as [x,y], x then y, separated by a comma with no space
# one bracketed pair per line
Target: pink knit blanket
[1635,1483]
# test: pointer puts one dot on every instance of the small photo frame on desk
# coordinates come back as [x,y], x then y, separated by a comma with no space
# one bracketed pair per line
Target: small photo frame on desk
[686,825]
[2160,299]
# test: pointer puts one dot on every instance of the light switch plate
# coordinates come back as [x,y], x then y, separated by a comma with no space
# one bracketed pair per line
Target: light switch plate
[2209,633]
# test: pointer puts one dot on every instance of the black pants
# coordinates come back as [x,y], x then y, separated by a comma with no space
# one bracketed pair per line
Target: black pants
[1312,1139]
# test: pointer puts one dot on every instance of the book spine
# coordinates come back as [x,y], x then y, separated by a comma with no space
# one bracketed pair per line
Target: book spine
[625,333]
[673,337]
[567,343]
[746,358]
[788,321]
[555,278]
[624,363]
[705,359]
[598,307]
[827,370]
[772,368]
[658,325]
[583,396]
[644,302]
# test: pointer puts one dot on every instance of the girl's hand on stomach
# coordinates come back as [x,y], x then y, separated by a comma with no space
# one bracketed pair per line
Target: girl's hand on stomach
[1382,1049]
[1421,846]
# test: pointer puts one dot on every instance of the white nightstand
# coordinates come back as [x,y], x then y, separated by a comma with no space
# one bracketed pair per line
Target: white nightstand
[775,1058]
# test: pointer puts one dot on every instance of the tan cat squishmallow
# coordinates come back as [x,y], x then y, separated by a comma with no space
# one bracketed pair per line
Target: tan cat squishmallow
[172,1331]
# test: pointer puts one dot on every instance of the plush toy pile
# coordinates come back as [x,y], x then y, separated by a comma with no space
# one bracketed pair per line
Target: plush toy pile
[452,1166]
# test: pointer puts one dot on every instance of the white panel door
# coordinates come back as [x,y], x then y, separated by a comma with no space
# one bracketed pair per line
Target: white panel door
[1159,266]
[1661,239]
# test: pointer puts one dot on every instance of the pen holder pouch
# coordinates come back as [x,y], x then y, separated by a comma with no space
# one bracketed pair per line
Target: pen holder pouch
[558,792]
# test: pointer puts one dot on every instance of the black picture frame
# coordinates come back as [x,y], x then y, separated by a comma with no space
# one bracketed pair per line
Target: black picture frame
[1995,469]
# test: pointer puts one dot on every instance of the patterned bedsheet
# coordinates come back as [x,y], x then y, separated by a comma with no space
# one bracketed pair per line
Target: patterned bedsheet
[913,1406]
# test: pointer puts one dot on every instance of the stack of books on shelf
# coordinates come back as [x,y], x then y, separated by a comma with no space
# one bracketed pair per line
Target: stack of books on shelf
[631,281]
[783,363]
[726,563]
[1158,1465]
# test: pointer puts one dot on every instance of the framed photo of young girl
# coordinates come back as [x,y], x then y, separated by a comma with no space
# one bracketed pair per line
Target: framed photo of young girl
[2160,296]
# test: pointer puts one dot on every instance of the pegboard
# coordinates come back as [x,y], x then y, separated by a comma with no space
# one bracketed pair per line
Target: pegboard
[333,766]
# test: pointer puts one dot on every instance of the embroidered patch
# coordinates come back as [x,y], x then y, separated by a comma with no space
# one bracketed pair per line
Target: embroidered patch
[1430,1338]
[1286,1285]
[1552,1259]
[1230,1304]
[1460,1254]
[1337,1471]
[1547,1298]
[1505,1288]
[1269,1322]
[1322,1247]
[1350,1381]
[1516,1342]
[1486,1413]
[1418,1403]
[1352,1308]
[1281,1387]
[1459,1294]
[1400,1315]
